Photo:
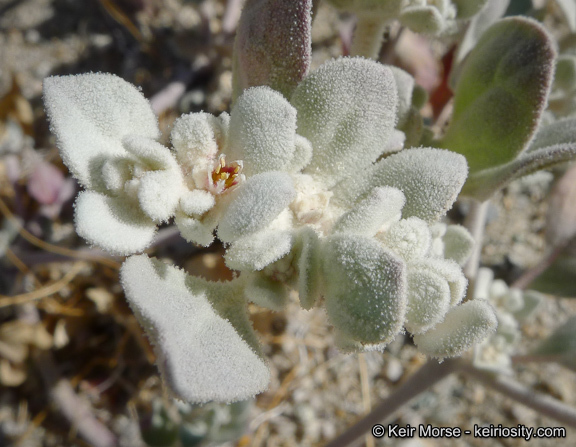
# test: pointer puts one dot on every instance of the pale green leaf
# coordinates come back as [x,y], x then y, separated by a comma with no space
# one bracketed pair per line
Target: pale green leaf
[90,115]
[347,110]
[463,327]
[365,289]
[430,179]
[428,300]
[501,93]
[262,131]
[258,250]
[204,350]
[255,204]
[115,224]
[383,206]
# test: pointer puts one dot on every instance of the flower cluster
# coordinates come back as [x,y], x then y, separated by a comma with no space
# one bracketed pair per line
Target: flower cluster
[310,193]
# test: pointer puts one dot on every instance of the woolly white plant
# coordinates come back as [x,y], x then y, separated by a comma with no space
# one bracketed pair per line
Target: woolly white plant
[305,194]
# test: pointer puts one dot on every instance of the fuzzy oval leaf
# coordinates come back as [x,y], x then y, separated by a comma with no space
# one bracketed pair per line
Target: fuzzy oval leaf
[90,114]
[382,206]
[405,86]
[463,327]
[365,289]
[347,110]
[448,270]
[501,93]
[273,45]
[430,179]
[116,224]
[194,230]
[262,131]
[196,202]
[159,193]
[201,355]
[428,300]
[198,135]
[256,204]
[408,238]
[458,244]
[258,250]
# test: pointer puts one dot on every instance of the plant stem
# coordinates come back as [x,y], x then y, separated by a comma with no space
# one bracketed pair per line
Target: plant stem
[545,405]
[368,37]
[429,374]
[475,222]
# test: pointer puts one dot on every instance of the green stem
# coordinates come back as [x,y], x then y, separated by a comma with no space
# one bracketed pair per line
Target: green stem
[368,37]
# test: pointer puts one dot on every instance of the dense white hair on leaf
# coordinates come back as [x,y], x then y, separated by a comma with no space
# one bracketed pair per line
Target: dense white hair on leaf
[161,185]
[428,300]
[429,178]
[201,354]
[258,250]
[150,153]
[308,262]
[256,203]
[196,231]
[159,193]
[196,202]
[302,154]
[199,135]
[381,207]
[463,327]
[458,244]
[347,110]
[409,238]
[114,223]
[262,131]
[396,141]
[116,172]
[265,292]
[365,289]
[447,269]
[90,114]
[405,86]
